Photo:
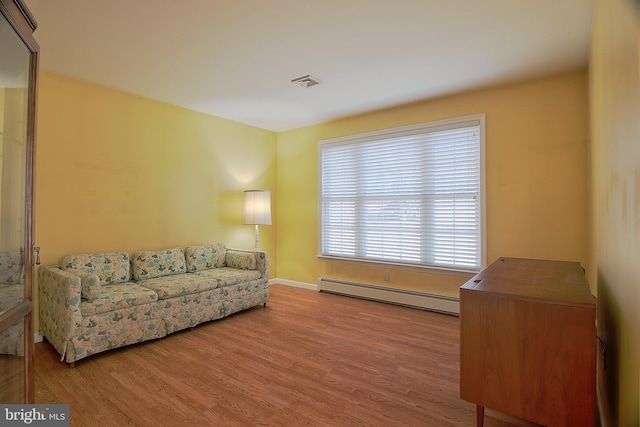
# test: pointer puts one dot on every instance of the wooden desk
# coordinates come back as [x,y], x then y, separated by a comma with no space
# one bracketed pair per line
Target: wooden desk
[528,342]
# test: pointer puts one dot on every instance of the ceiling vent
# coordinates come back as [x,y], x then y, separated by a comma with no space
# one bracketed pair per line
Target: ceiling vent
[306,81]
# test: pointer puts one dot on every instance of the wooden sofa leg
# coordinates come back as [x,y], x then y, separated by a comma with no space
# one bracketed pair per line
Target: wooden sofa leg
[264,305]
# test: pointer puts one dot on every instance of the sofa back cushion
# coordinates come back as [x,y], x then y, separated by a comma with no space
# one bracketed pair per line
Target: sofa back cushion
[205,257]
[150,264]
[241,260]
[11,271]
[111,267]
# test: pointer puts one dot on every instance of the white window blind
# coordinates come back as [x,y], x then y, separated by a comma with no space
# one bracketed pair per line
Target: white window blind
[410,195]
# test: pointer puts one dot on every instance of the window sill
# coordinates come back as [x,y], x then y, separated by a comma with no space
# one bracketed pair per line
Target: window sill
[409,267]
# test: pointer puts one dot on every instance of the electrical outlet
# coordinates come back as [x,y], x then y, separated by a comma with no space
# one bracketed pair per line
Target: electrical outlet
[387,276]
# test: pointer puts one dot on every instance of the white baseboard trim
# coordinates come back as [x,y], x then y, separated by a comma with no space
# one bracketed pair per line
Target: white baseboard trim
[37,338]
[294,284]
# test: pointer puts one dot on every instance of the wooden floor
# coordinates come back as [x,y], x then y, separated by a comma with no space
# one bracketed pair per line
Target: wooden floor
[307,359]
[12,390]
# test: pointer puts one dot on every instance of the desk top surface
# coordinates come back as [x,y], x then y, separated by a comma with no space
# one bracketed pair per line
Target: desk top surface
[561,282]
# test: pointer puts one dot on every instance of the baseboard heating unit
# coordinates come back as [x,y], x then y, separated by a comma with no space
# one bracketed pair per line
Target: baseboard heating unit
[421,300]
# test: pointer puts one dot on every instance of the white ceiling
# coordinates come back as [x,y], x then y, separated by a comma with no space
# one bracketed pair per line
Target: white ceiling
[236,58]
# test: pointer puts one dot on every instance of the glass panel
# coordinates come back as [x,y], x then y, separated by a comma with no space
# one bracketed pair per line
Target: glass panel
[14,82]
[14,92]
[12,364]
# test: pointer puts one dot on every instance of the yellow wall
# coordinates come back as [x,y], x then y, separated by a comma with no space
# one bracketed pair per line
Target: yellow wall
[116,171]
[615,124]
[537,180]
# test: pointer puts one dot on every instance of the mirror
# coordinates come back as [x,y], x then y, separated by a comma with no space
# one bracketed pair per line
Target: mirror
[14,102]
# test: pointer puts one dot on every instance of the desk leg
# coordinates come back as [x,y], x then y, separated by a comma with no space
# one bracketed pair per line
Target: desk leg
[479,415]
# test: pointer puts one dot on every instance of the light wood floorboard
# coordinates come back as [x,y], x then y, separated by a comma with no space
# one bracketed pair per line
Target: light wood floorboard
[307,359]
[12,368]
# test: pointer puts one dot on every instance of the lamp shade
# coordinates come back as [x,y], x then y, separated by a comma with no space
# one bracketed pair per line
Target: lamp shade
[257,207]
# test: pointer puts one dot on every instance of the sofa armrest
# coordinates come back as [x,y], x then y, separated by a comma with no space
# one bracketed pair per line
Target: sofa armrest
[262,260]
[59,306]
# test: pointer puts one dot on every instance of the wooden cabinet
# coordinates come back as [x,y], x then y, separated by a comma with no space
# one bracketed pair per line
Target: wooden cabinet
[528,342]
[18,85]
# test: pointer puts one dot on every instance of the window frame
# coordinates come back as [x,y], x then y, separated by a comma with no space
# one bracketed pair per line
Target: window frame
[407,130]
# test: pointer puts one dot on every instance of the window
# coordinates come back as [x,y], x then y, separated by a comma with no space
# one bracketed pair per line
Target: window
[411,195]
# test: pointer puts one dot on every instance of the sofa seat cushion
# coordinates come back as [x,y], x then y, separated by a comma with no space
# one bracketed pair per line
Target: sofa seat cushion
[150,264]
[117,296]
[111,267]
[179,284]
[227,276]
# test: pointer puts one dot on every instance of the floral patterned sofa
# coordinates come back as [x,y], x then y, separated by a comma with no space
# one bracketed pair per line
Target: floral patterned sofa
[100,301]
[11,294]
